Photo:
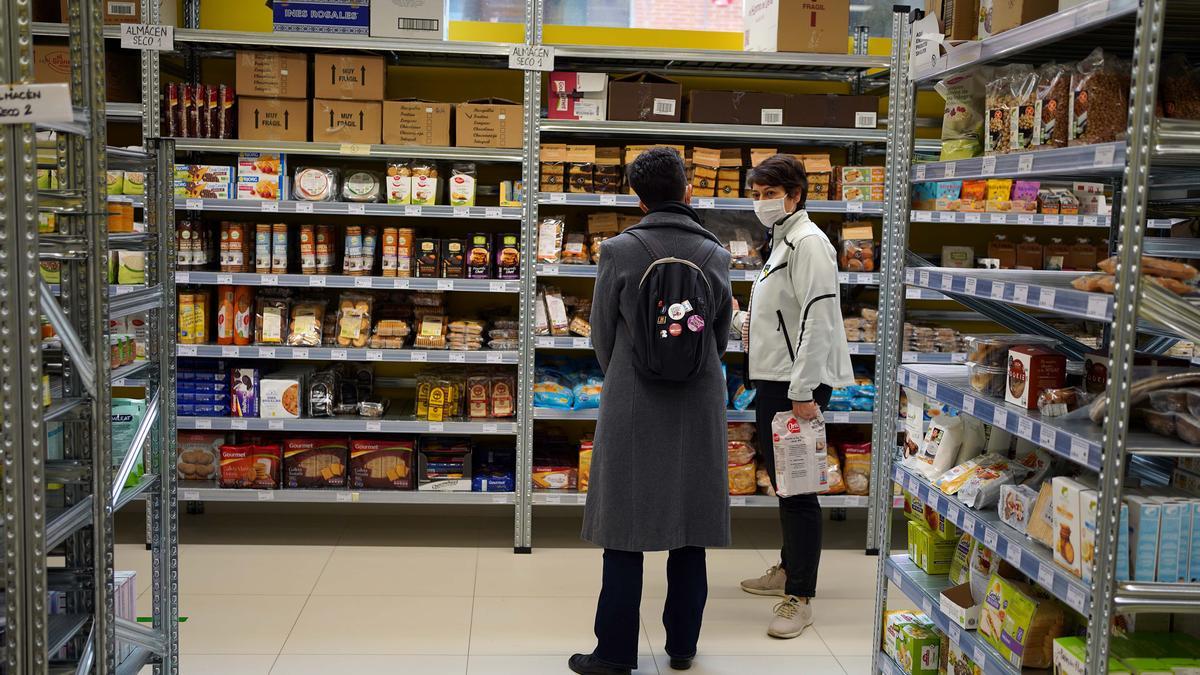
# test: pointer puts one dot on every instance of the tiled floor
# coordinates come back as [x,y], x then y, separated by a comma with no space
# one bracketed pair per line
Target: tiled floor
[297,594]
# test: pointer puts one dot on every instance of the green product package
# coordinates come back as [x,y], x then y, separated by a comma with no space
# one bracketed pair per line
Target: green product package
[914,508]
[131,267]
[127,414]
[894,623]
[1005,617]
[1148,666]
[114,181]
[1070,657]
[918,649]
[134,183]
[930,552]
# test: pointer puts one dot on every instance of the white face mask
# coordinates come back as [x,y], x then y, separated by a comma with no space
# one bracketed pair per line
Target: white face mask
[770,211]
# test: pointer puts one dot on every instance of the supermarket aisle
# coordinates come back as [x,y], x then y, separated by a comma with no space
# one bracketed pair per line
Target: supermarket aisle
[311,594]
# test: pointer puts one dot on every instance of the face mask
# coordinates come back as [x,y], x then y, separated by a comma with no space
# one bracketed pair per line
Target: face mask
[769,211]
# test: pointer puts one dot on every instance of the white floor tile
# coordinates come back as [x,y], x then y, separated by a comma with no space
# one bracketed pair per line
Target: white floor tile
[236,624]
[846,626]
[548,573]
[226,664]
[250,570]
[399,570]
[534,626]
[381,625]
[856,665]
[733,627]
[361,664]
[539,665]
[711,664]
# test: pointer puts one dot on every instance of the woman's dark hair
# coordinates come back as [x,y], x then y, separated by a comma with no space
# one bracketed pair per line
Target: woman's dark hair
[657,175]
[783,171]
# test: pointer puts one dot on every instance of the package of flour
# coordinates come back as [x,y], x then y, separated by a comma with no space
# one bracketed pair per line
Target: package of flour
[800,455]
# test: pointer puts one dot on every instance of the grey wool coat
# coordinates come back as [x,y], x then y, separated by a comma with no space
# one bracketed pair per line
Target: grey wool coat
[658,477]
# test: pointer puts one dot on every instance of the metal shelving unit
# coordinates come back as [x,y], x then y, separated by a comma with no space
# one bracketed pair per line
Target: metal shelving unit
[59,512]
[1136,309]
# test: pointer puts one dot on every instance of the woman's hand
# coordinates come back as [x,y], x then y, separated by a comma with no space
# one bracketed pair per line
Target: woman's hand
[806,410]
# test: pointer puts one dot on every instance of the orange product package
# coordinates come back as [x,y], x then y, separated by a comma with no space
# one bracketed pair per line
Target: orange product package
[250,466]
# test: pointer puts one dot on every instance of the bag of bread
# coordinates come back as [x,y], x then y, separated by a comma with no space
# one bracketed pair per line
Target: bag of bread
[833,467]
[271,323]
[742,478]
[354,320]
[305,327]
[856,469]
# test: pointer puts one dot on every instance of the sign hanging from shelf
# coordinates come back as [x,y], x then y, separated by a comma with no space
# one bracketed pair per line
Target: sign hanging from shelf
[926,45]
[29,103]
[531,57]
[147,37]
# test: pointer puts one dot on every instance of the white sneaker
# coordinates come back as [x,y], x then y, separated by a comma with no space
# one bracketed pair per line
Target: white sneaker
[792,616]
[771,583]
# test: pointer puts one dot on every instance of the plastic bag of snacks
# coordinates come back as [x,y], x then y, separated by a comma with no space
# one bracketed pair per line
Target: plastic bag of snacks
[833,469]
[742,477]
[856,469]
[800,455]
[963,114]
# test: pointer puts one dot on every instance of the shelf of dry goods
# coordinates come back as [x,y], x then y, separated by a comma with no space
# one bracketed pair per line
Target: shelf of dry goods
[1038,219]
[724,132]
[573,498]
[1073,437]
[1042,290]
[347,149]
[589,272]
[1033,559]
[348,354]
[831,417]
[207,491]
[351,209]
[716,203]
[341,281]
[925,590]
[1071,161]
[738,62]
[349,424]
[1055,27]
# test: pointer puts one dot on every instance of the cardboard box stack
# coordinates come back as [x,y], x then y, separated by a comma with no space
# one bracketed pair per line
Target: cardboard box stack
[414,121]
[272,92]
[489,123]
[348,98]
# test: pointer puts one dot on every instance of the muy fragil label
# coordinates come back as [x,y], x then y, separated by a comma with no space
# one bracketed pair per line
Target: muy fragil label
[29,103]
[148,36]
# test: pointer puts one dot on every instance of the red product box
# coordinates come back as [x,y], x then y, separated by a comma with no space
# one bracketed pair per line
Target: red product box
[250,466]
[577,96]
[1032,368]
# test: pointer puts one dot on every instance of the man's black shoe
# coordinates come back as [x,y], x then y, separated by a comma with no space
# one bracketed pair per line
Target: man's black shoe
[681,663]
[588,664]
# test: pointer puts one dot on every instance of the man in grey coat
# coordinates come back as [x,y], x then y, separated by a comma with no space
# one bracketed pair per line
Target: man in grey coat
[658,477]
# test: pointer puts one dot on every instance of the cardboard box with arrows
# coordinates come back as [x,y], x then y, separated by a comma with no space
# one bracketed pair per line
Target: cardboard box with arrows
[272,119]
[357,78]
[347,121]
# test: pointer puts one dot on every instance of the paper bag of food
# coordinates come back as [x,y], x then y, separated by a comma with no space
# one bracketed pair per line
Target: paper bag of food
[800,455]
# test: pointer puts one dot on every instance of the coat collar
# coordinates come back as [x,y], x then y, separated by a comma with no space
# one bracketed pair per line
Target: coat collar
[664,219]
[795,222]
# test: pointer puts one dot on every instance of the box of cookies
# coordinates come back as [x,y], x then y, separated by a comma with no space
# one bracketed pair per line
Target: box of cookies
[250,466]
[315,462]
[381,464]
[281,395]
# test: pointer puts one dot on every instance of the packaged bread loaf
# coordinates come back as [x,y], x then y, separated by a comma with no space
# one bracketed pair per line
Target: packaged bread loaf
[354,320]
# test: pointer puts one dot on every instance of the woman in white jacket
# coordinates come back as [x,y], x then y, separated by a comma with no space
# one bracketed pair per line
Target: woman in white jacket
[797,352]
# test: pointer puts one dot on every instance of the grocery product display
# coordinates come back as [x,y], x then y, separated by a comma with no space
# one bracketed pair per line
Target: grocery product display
[1053,479]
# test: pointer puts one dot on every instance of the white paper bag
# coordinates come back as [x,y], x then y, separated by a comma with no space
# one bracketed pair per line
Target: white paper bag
[800,455]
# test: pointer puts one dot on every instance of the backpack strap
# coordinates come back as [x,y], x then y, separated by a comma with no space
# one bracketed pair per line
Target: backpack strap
[649,244]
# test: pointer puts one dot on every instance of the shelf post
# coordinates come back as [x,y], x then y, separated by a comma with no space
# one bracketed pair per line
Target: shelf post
[1147,53]
[523,477]
[891,306]
[22,435]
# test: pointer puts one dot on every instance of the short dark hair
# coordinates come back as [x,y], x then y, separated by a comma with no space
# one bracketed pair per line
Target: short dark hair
[783,171]
[657,176]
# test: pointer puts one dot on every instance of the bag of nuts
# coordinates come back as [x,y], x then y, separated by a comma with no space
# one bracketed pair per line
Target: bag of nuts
[1053,96]
[1099,100]
[1179,90]
[1022,87]
[1001,105]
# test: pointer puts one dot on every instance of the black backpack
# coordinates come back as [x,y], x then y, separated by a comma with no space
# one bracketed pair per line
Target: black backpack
[674,314]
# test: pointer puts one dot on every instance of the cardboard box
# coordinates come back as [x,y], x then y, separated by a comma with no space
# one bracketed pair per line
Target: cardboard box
[129,11]
[831,110]
[250,466]
[344,17]
[418,19]
[272,74]
[314,463]
[577,96]
[1008,14]
[122,79]
[1170,533]
[347,121]
[644,96]
[956,602]
[381,464]
[797,26]
[1068,523]
[280,395]
[959,19]
[930,552]
[735,107]
[489,123]
[416,122]
[1070,658]
[273,119]
[1144,515]
[356,78]
[1032,368]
